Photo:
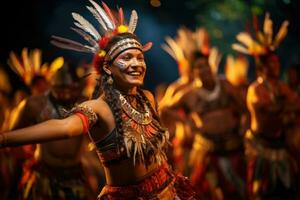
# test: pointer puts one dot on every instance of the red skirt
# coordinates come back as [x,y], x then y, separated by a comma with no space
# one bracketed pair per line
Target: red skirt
[162,184]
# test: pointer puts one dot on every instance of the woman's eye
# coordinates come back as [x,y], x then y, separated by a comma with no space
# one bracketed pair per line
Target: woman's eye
[126,57]
[140,58]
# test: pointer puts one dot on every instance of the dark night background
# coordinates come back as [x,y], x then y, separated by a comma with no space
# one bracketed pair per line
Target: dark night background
[31,23]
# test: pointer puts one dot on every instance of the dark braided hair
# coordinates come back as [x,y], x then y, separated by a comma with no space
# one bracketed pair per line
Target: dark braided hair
[112,99]
[111,95]
[155,115]
[97,90]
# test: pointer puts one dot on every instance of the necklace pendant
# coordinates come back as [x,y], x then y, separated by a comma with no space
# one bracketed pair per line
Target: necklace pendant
[139,117]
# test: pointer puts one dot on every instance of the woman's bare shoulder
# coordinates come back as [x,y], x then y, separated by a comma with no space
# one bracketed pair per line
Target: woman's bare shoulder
[97,105]
[148,94]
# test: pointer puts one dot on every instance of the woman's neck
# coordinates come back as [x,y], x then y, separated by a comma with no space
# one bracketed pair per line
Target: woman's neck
[128,91]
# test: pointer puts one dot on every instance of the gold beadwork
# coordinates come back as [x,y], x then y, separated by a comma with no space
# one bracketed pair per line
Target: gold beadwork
[87,111]
[141,118]
[142,133]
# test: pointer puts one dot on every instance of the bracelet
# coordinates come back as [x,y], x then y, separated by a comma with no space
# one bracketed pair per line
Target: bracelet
[2,140]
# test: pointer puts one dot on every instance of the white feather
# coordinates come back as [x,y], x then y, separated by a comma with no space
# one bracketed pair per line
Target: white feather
[133,21]
[86,26]
[103,15]
[98,17]
[169,51]
[72,45]
[86,36]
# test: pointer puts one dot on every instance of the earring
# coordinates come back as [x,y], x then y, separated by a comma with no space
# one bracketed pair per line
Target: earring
[110,81]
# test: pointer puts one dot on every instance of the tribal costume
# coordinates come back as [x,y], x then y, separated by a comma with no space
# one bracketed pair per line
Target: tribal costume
[216,158]
[270,167]
[138,141]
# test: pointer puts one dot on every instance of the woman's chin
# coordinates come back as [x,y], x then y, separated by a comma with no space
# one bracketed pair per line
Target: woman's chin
[136,82]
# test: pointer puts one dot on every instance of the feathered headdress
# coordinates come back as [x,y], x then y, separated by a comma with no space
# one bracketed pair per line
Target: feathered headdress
[236,69]
[201,39]
[174,47]
[187,43]
[111,25]
[264,42]
[29,65]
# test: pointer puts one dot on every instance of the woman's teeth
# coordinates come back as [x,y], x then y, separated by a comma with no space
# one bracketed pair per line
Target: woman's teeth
[135,73]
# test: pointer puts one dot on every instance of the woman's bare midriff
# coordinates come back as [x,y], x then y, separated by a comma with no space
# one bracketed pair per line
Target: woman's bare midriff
[125,173]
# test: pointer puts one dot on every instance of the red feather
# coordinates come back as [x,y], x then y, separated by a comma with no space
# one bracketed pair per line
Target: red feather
[147,46]
[98,63]
[255,23]
[121,16]
[109,13]
[103,42]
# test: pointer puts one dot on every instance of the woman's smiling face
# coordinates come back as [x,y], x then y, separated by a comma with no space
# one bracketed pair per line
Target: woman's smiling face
[129,68]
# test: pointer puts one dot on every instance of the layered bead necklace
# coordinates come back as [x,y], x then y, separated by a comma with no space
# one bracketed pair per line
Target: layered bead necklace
[143,136]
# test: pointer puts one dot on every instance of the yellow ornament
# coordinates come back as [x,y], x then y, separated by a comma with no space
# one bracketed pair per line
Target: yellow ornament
[122,29]
[102,53]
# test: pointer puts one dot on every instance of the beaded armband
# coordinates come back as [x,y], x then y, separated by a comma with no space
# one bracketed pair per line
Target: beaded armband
[86,114]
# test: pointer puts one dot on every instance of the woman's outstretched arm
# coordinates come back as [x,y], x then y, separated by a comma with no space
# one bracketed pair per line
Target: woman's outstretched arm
[54,129]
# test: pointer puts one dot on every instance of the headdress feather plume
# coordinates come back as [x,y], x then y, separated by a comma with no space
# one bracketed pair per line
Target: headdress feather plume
[281,34]
[121,16]
[268,29]
[86,36]
[265,42]
[109,13]
[110,24]
[214,59]
[36,59]
[29,66]
[176,52]
[71,44]
[86,26]
[98,17]
[236,70]
[103,15]
[133,21]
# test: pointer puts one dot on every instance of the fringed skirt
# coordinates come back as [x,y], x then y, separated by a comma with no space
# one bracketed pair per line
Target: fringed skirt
[162,184]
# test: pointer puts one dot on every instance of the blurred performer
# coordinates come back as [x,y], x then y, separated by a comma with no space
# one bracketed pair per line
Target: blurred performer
[214,107]
[34,74]
[236,70]
[175,120]
[36,77]
[271,104]
[293,135]
[293,78]
[5,89]
[56,171]
[5,160]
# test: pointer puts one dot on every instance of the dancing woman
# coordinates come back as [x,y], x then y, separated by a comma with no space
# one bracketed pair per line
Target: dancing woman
[122,121]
